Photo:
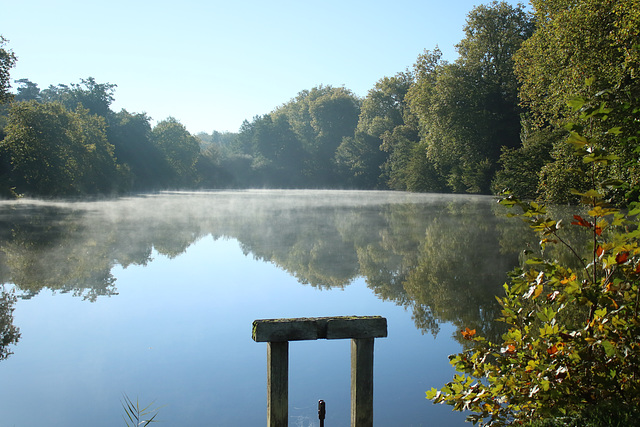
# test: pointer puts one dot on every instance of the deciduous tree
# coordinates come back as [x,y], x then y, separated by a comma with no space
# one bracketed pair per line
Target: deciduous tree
[97,97]
[130,134]
[581,49]
[468,110]
[180,148]
[7,61]
[56,152]
[383,109]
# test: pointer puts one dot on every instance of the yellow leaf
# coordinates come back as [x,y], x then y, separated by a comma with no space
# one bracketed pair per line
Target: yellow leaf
[538,291]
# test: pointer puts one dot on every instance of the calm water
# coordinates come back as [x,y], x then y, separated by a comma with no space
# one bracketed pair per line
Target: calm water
[154,296]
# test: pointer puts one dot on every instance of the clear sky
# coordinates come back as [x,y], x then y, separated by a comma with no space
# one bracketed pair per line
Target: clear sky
[211,64]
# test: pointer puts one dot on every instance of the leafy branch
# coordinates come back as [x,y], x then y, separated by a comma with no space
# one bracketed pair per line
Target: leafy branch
[572,341]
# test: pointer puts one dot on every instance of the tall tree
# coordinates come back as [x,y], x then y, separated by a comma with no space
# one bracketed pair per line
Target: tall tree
[383,109]
[7,61]
[333,117]
[575,40]
[130,134]
[97,97]
[320,118]
[468,110]
[180,148]
[27,91]
[582,49]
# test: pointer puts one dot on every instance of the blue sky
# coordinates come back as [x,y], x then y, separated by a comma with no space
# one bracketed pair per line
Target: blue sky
[212,64]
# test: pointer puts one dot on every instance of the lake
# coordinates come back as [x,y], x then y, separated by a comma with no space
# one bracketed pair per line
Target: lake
[154,297]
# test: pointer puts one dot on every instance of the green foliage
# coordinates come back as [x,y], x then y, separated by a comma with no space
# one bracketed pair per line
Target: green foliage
[598,415]
[408,167]
[136,415]
[383,110]
[616,133]
[295,145]
[573,333]
[7,61]
[559,177]
[9,333]
[57,152]
[81,147]
[468,110]
[94,96]
[277,153]
[520,171]
[180,149]
[476,125]
[135,151]
[27,91]
[575,40]
[333,116]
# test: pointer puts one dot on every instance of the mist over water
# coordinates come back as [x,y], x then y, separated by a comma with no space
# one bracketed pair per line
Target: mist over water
[154,295]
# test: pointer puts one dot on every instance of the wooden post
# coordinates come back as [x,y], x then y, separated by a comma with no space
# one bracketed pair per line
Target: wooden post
[362,382]
[278,332]
[277,384]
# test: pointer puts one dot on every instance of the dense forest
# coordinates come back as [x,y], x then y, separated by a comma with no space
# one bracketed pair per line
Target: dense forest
[488,121]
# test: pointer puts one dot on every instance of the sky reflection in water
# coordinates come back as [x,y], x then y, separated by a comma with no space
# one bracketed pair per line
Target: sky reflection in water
[179,329]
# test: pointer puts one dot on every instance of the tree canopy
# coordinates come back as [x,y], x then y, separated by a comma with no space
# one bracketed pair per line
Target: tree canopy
[468,109]
[57,152]
[7,61]
[579,49]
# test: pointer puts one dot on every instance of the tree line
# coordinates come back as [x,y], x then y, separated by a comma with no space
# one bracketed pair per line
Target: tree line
[66,141]
[490,120]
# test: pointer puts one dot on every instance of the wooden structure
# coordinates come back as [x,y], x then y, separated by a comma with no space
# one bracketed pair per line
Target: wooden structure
[277,333]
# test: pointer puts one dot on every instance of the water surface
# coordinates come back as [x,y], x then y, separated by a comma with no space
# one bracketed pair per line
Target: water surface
[154,296]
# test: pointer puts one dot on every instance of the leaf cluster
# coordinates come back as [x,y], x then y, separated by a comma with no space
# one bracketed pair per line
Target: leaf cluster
[573,337]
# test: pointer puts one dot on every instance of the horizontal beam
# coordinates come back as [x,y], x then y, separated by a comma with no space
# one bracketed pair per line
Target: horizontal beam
[313,328]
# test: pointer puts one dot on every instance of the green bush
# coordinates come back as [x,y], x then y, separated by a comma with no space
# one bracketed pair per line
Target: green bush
[604,415]
[571,355]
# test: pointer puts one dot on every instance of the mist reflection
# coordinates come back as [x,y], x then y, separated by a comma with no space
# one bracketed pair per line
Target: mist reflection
[441,257]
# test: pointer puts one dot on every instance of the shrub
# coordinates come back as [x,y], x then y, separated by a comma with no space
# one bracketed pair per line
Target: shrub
[573,342]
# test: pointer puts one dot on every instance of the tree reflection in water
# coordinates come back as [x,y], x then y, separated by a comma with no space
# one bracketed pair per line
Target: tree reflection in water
[442,257]
[9,333]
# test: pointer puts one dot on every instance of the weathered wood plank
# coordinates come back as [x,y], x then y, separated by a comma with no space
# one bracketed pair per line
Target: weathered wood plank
[362,382]
[356,327]
[277,384]
[313,328]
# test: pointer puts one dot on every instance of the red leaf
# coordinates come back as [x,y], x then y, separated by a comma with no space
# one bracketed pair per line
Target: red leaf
[599,251]
[622,257]
[581,221]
